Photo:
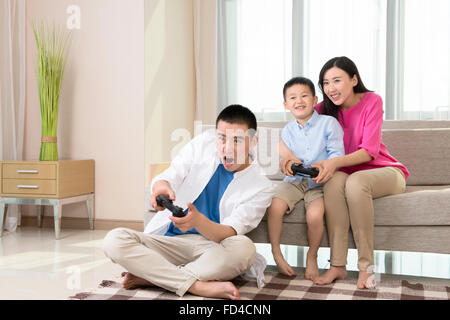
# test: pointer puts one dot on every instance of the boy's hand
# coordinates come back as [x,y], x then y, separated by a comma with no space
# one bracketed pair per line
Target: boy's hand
[286,165]
[161,187]
[191,220]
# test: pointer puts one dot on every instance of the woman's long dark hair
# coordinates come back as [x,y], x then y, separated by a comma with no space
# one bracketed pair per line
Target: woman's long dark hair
[344,63]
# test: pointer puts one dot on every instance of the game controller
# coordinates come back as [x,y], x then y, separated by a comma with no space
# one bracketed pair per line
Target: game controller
[165,202]
[298,168]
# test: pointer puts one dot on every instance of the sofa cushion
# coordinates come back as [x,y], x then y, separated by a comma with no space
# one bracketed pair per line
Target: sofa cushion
[419,205]
[415,124]
[425,152]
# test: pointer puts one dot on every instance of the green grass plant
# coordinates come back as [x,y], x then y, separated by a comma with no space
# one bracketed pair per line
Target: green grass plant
[52,46]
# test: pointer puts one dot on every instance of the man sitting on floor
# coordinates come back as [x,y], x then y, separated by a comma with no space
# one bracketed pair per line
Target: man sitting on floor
[226,196]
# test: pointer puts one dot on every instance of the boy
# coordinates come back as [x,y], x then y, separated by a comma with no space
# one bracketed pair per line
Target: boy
[226,196]
[311,138]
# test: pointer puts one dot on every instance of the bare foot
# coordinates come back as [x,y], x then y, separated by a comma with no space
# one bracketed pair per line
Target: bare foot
[334,273]
[283,266]
[312,270]
[215,289]
[365,280]
[131,282]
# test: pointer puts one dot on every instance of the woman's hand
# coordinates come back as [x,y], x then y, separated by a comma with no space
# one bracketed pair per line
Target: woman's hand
[326,170]
[286,165]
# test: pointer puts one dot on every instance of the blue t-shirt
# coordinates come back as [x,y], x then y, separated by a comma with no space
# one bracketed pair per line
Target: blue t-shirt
[208,201]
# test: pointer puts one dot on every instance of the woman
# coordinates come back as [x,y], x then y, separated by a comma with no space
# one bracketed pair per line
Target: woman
[367,171]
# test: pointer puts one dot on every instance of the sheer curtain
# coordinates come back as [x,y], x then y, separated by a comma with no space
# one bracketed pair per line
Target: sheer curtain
[426,60]
[263,43]
[205,60]
[401,49]
[254,54]
[12,89]
[352,28]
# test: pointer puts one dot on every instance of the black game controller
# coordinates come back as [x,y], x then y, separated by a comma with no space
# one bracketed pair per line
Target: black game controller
[298,168]
[165,202]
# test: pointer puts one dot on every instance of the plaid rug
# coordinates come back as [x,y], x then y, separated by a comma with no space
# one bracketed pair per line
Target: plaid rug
[280,287]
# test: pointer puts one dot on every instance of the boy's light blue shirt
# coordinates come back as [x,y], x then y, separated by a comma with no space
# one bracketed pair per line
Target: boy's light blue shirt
[321,138]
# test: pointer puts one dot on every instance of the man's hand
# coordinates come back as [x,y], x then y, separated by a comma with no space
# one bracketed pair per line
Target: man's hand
[191,220]
[161,187]
[207,228]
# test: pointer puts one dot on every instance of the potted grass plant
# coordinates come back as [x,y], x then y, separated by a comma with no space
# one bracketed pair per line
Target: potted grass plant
[52,46]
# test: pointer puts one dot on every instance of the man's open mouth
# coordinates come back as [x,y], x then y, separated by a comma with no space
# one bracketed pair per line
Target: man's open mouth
[228,161]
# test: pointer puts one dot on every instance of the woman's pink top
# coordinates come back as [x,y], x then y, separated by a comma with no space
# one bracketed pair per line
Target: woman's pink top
[362,129]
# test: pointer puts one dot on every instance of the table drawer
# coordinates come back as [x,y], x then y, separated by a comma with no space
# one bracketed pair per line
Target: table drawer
[28,171]
[28,186]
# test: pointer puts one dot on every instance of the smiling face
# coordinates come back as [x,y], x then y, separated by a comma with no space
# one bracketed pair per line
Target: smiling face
[338,86]
[299,100]
[234,143]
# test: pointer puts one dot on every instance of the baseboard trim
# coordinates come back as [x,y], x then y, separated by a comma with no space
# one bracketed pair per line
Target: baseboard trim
[105,224]
[83,223]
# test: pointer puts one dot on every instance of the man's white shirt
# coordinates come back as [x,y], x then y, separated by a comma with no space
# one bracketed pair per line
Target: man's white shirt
[243,203]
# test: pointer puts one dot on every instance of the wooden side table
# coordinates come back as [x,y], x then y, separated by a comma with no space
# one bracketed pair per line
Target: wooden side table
[40,183]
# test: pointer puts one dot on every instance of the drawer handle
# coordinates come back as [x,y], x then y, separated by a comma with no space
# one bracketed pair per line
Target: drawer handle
[22,186]
[27,171]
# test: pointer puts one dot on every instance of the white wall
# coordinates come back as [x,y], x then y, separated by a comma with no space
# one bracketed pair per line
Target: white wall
[102,101]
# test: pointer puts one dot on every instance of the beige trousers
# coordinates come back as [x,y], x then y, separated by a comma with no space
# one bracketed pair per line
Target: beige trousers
[175,263]
[349,202]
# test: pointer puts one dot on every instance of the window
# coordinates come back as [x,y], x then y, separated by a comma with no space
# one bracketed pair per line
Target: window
[255,45]
[426,58]
[401,49]
[352,28]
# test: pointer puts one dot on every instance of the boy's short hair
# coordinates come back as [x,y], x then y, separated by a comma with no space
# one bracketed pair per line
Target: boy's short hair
[299,80]
[236,113]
